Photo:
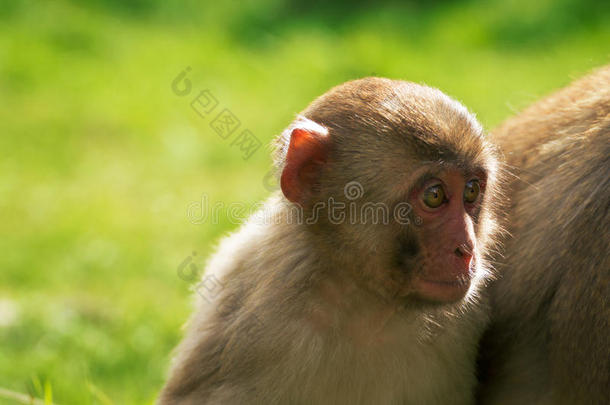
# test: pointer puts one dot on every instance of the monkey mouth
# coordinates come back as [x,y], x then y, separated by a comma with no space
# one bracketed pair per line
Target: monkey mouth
[444,291]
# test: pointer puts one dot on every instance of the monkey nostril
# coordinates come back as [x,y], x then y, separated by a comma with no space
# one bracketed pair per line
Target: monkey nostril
[463,253]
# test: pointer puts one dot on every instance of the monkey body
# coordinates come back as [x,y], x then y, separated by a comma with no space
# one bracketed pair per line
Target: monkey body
[353,312]
[549,339]
[298,354]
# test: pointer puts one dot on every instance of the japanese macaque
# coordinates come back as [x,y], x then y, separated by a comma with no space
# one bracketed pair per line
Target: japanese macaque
[379,305]
[549,342]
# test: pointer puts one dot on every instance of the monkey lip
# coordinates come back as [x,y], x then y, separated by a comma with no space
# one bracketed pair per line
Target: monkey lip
[442,290]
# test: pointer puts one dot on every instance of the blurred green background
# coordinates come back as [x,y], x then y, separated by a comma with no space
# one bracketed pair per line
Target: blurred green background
[99,159]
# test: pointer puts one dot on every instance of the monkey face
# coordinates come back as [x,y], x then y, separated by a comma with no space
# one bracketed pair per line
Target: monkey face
[379,151]
[442,252]
[426,248]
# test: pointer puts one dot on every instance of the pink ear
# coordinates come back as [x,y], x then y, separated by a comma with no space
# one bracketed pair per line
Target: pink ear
[306,154]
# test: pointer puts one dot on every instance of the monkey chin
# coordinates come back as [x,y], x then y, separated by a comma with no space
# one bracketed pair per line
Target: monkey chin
[441,291]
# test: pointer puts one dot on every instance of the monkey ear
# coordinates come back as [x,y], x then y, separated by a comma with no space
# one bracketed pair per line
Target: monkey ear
[306,155]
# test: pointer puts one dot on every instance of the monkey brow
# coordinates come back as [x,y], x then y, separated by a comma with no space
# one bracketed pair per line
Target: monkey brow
[436,168]
[420,181]
[426,176]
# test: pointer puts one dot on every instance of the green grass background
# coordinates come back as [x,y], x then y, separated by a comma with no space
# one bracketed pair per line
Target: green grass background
[99,159]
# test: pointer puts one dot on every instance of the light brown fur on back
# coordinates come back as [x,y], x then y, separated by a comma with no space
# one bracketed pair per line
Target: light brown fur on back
[549,341]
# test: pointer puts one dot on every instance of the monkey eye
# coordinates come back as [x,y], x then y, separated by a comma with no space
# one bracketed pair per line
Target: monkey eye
[471,191]
[434,196]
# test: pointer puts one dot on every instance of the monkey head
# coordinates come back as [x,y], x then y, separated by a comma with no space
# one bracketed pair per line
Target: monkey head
[396,182]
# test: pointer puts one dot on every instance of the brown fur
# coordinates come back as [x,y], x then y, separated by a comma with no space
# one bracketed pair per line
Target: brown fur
[549,342]
[319,312]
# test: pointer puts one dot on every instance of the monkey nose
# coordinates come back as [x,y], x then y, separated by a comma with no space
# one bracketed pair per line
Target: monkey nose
[464,253]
